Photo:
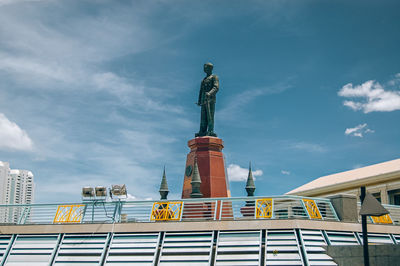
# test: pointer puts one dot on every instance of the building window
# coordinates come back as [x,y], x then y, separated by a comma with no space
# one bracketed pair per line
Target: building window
[394,197]
[377,196]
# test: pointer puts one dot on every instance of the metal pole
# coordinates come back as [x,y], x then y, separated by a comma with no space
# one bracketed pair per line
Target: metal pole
[92,212]
[364,231]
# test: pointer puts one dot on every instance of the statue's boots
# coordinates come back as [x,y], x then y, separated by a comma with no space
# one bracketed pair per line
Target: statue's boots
[211,133]
[200,134]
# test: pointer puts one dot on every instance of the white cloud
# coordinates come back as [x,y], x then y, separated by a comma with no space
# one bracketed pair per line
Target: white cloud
[67,54]
[116,85]
[9,2]
[130,197]
[307,146]
[237,173]
[375,97]
[354,129]
[12,136]
[284,172]
[358,131]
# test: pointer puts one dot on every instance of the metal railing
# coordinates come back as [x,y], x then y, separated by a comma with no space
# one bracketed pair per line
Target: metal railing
[249,208]
[394,214]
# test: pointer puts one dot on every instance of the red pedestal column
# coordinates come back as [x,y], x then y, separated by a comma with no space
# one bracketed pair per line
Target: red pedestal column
[210,160]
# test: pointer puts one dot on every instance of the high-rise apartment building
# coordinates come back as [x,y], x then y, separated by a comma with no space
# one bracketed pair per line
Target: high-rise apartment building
[16,187]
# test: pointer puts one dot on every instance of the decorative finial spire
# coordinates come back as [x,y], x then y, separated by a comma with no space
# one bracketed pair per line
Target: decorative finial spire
[196,181]
[164,187]
[250,187]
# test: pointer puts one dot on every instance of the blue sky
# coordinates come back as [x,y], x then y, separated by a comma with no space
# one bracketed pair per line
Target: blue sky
[103,92]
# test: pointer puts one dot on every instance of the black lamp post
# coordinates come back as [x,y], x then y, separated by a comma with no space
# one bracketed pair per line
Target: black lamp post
[369,207]
[364,231]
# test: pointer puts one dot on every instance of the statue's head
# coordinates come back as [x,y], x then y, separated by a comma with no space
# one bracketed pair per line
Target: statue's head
[208,67]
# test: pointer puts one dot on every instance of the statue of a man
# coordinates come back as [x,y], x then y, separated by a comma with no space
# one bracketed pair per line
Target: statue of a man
[207,98]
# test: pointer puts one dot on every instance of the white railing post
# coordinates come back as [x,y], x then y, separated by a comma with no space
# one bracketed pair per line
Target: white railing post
[215,210]
[181,212]
[220,210]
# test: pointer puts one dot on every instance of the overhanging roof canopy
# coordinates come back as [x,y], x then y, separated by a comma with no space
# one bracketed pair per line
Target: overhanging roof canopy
[352,178]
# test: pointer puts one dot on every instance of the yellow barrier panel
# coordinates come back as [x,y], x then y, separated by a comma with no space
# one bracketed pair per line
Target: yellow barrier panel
[166,211]
[264,208]
[312,209]
[69,214]
[384,219]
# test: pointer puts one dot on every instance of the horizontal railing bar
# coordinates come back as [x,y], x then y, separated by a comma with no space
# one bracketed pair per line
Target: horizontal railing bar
[206,200]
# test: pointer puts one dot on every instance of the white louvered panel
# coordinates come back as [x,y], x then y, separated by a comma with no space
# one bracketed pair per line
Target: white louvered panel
[282,256]
[282,248]
[244,243]
[132,251]
[183,249]
[74,246]
[186,258]
[315,249]
[193,244]
[323,263]
[235,248]
[233,263]
[32,250]
[142,260]
[341,238]
[72,239]
[82,258]
[80,264]
[4,243]
[189,248]
[179,238]
[38,260]
[318,238]
[81,249]
[277,262]
[239,257]
[26,246]
[183,263]
[314,242]
[397,238]
[134,238]
[285,242]
[132,245]
[238,248]
[238,236]
[377,238]
[284,236]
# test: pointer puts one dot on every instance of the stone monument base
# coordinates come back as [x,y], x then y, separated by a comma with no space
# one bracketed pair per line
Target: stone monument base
[210,160]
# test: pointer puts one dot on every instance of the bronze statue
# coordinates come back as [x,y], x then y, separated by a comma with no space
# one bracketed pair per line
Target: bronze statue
[207,98]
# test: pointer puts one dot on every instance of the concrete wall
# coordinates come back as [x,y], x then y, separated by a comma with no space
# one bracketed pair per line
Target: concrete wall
[379,255]
[196,226]
[345,207]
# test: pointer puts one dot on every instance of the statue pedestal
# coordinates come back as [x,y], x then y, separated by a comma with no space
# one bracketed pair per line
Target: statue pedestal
[210,160]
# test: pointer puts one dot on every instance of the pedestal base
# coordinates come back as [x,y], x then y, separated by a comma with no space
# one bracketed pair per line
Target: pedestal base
[210,160]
